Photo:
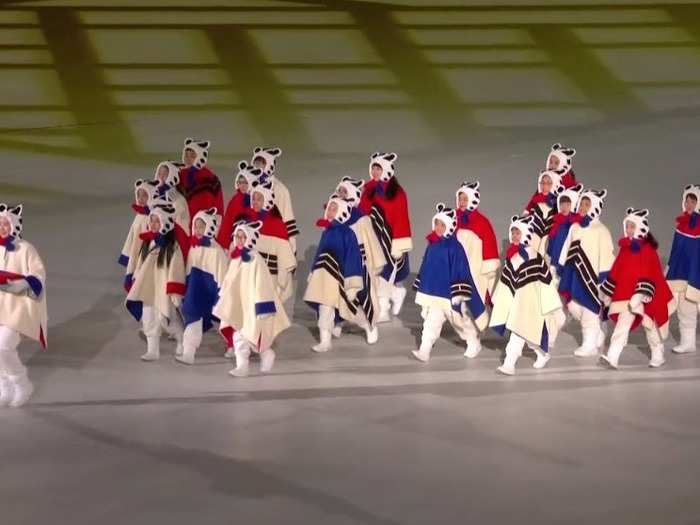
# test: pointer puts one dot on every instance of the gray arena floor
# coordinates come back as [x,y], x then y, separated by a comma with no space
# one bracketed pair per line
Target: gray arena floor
[361,434]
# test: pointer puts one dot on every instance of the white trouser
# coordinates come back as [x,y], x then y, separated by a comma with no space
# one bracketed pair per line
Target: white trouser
[435,317]
[620,335]
[192,336]
[386,292]
[10,363]
[154,323]
[687,313]
[514,349]
[326,317]
[591,327]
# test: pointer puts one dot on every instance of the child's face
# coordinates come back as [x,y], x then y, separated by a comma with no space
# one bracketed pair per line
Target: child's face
[376,171]
[515,235]
[154,223]
[440,227]
[546,184]
[257,201]
[565,207]
[584,206]
[689,204]
[5,227]
[199,228]
[260,163]
[331,211]
[141,197]
[190,157]
[462,201]
[553,162]
[342,192]
[630,228]
[240,238]
[242,184]
[163,173]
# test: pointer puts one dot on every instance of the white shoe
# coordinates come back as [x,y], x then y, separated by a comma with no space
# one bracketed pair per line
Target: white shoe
[23,390]
[7,391]
[608,362]
[472,350]
[186,355]
[325,344]
[680,349]
[179,350]
[506,370]
[372,335]
[152,349]
[242,362]
[397,298]
[657,357]
[267,359]
[337,331]
[583,351]
[541,361]
[687,342]
[150,356]
[229,353]
[423,353]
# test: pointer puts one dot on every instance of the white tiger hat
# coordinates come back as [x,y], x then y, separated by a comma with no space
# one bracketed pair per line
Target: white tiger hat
[248,172]
[446,215]
[554,175]
[265,189]
[386,162]
[269,155]
[641,224]
[565,156]
[211,222]
[353,189]
[149,186]
[344,208]
[692,189]
[14,215]
[525,225]
[573,193]
[173,177]
[166,215]
[252,233]
[201,149]
[597,198]
[471,190]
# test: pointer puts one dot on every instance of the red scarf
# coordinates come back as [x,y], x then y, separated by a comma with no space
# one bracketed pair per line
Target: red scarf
[323,223]
[148,236]
[141,210]
[432,237]
[560,218]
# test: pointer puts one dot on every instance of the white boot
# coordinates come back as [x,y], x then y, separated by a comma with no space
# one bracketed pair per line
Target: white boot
[423,353]
[473,348]
[153,349]
[612,358]
[23,390]
[337,331]
[186,357]
[384,309]
[398,294]
[513,352]
[325,344]
[657,356]
[229,353]
[542,359]
[242,362]
[589,346]
[180,349]
[372,335]
[687,343]
[6,390]
[267,359]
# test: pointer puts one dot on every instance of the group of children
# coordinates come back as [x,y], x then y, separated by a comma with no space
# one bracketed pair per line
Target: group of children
[191,264]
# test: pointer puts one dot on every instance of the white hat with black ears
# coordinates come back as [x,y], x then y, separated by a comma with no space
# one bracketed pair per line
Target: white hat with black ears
[353,189]
[211,222]
[14,215]
[384,161]
[573,193]
[692,189]
[269,155]
[166,214]
[597,198]
[639,218]
[471,190]
[344,208]
[248,172]
[554,175]
[447,216]
[201,149]
[565,156]
[265,189]
[173,177]
[251,230]
[525,224]
[149,186]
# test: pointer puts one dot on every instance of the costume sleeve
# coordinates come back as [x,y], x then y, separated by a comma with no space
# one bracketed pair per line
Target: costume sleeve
[461,285]
[36,274]
[176,275]
[606,255]
[352,263]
